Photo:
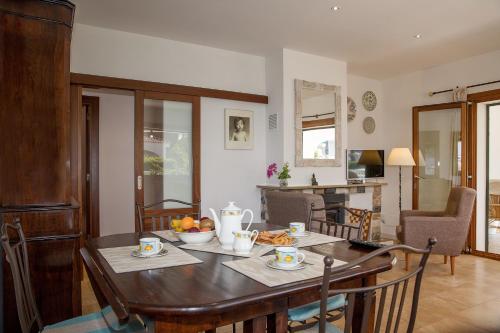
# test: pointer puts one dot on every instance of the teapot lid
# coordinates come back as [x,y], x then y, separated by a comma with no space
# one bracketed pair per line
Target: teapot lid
[231,207]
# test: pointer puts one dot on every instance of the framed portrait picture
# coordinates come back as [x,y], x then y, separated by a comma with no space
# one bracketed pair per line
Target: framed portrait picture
[238,129]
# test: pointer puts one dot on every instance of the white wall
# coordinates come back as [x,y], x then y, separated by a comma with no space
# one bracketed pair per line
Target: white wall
[116,162]
[298,65]
[274,84]
[126,55]
[356,136]
[225,174]
[401,93]
[231,175]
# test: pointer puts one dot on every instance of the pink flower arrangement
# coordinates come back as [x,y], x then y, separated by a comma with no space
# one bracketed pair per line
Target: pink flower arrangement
[271,170]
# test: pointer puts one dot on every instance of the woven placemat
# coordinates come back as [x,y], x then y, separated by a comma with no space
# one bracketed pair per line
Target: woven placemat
[256,269]
[121,260]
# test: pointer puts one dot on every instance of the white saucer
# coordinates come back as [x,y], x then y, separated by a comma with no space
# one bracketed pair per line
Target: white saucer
[305,234]
[271,263]
[137,254]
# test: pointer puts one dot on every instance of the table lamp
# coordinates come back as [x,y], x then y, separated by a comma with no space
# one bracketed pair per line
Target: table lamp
[400,157]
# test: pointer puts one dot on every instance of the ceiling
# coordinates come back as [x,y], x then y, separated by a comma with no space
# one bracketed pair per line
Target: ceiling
[375,38]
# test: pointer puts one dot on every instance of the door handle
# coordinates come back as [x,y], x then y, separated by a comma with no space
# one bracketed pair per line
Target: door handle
[139,183]
[418,177]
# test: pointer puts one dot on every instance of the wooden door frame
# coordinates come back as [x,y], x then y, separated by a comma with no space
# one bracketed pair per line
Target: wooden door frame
[140,96]
[79,81]
[91,166]
[474,99]
[415,139]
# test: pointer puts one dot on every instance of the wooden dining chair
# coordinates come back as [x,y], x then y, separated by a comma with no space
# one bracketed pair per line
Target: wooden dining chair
[112,318]
[356,227]
[319,219]
[151,219]
[387,298]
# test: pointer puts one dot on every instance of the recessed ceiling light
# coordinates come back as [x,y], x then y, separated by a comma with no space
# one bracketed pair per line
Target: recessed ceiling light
[418,36]
[335,8]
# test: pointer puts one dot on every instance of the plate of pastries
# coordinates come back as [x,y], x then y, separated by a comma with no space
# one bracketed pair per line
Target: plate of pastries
[276,238]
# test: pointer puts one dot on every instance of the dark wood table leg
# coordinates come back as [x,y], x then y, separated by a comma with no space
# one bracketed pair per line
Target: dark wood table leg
[277,322]
[256,325]
[359,307]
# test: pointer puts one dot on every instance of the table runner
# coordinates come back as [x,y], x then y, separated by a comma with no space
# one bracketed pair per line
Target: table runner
[214,247]
[121,261]
[256,269]
[167,234]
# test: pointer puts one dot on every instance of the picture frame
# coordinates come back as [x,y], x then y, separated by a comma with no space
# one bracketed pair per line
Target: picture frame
[238,129]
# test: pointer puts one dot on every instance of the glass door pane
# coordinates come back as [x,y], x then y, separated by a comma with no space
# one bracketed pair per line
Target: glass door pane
[168,155]
[440,164]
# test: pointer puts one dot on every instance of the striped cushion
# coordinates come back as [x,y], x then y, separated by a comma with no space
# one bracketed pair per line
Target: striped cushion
[312,309]
[97,322]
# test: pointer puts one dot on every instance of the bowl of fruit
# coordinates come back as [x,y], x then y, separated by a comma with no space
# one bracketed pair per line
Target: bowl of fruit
[191,231]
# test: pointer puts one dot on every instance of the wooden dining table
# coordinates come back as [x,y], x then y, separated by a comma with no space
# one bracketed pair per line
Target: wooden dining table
[203,296]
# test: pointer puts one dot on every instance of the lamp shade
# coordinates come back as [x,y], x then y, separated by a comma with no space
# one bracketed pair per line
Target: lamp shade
[400,157]
[370,157]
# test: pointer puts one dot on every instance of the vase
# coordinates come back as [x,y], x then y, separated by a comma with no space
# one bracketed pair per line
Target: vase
[283,182]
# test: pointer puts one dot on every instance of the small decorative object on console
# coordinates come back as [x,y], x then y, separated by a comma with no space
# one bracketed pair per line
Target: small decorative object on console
[314,182]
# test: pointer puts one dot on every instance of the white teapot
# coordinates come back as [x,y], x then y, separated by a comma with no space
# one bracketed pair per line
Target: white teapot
[230,221]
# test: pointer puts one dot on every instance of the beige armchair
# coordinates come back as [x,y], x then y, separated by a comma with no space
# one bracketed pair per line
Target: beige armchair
[450,226]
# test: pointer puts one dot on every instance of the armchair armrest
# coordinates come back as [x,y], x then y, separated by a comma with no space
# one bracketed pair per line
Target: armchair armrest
[406,213]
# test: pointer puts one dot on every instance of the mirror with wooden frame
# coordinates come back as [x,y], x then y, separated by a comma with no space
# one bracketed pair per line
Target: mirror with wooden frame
[317,124]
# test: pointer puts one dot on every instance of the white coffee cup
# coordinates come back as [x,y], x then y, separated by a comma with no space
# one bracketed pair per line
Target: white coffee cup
[297,228]
[287,256]
[150,246]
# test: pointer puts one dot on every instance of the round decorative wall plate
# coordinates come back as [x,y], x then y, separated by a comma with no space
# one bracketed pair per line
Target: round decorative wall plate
[369,125]
[369,101]
[351,109]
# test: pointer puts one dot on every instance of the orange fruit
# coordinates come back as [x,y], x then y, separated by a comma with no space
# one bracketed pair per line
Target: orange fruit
[187,223]
[205,229]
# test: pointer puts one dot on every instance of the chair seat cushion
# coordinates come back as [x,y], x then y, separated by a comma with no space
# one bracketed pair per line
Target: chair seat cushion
[310,310]
[93,323]
[330,328]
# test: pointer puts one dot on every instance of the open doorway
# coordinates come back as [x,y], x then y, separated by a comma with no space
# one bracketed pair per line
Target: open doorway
[90,108]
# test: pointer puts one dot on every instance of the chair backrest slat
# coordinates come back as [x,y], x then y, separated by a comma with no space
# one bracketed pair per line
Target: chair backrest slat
[401,305]
[351,300]
[381,306]
[368,295]
[395,292]
[367,299]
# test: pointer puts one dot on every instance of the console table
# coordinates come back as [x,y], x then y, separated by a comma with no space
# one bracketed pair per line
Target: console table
[341,193]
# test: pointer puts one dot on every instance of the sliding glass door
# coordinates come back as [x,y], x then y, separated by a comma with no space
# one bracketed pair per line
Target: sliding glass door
[439,150]
[167,149]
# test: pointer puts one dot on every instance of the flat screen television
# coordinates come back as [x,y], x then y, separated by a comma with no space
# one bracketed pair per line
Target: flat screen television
[364,163]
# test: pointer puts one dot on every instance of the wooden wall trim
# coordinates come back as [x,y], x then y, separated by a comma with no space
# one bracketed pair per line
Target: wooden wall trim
[484,96]
[96,81]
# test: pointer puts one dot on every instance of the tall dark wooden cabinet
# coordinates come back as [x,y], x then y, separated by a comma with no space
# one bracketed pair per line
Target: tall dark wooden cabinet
[35,170]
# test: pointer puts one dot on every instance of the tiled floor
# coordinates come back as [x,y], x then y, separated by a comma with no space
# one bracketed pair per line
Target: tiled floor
[468,302]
